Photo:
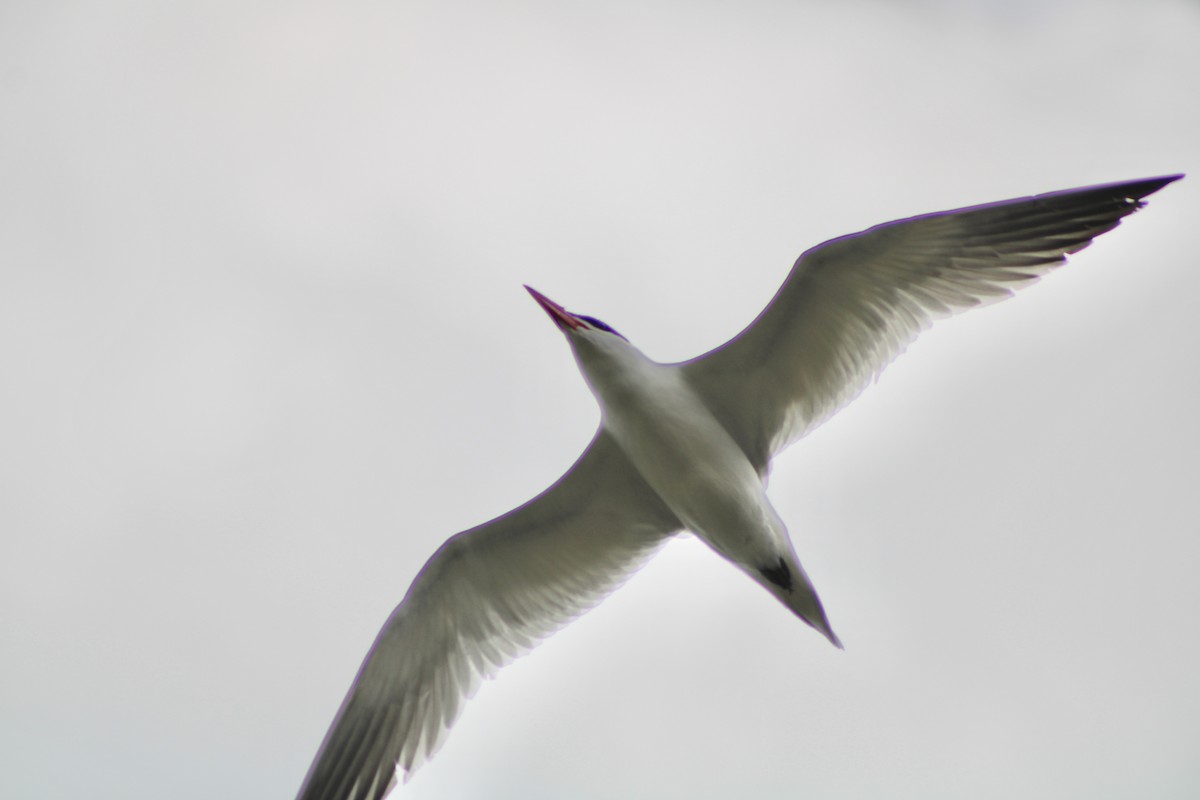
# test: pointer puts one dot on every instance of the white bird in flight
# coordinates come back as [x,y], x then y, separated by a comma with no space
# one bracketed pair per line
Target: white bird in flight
[685,447]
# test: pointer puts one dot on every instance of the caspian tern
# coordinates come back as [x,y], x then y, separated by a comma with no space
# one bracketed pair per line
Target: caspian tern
[685,447]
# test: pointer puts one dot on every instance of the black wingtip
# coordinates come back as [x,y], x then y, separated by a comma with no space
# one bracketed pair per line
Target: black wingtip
[1147,186]
[1132,191]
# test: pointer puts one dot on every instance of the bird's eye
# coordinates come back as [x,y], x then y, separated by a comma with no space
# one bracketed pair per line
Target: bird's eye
[595,323]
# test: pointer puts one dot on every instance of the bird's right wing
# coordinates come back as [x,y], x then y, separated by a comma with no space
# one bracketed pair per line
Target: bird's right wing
[486,596]
[851,305]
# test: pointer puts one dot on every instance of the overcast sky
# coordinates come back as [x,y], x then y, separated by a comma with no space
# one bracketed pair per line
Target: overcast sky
[264,346]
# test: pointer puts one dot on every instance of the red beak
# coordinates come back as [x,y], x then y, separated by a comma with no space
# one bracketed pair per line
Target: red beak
[562,318]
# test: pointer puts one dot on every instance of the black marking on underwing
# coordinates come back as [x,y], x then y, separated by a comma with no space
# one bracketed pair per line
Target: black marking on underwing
[779,575]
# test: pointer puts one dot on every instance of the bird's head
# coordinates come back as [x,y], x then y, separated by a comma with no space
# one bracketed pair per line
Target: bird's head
[575,325]
[611,366]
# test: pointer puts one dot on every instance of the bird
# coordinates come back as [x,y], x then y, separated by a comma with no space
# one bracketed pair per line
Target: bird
[685,447]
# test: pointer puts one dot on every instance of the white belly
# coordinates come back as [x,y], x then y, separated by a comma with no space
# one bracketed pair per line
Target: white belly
[693,464]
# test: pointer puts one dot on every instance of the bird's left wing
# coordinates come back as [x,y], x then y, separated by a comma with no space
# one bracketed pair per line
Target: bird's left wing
[486,596]
[851,305]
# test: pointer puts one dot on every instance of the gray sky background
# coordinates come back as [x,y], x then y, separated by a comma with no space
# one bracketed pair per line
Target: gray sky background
[265,346]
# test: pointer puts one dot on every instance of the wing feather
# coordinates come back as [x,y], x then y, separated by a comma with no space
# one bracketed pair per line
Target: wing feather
[852,304]
[486,596]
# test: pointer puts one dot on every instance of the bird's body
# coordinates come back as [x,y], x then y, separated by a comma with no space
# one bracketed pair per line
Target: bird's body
[684,447]
[661,423]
